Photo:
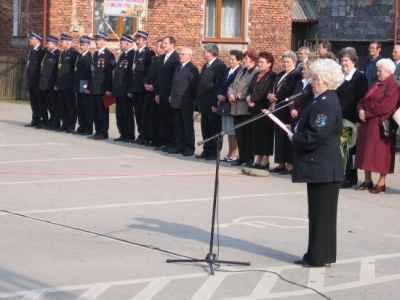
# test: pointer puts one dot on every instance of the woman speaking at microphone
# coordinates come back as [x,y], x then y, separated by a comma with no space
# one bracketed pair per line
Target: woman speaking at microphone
[318,161]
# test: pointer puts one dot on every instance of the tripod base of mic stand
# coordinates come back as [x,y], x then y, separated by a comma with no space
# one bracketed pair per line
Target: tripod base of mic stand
[211,261]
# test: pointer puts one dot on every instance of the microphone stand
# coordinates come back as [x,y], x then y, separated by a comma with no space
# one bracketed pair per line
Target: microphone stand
[211,259]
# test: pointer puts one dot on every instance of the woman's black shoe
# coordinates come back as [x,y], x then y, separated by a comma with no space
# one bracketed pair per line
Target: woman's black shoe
[277,169]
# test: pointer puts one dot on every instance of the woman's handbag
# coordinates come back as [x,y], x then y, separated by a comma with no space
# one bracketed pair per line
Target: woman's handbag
[224,109]
[388,127]
[396,118]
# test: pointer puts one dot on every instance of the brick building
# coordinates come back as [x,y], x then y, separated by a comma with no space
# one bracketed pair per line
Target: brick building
[232,24]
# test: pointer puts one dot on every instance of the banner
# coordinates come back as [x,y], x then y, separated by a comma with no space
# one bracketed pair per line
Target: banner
[125,8]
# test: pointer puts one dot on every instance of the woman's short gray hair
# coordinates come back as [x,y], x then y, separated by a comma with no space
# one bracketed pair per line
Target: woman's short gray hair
[328,71]
[290,54]
[386,64]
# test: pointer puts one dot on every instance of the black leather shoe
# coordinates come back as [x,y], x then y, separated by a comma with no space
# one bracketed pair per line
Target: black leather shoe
[238,163]
[346,184]
[307,264]
[211,157]
[61,129]
[77,132]
[166,149]
[188,153]
[176,151]
[202,155]
[285,172]
[120,139]
[277,169]
[85,133]
[129,140]
[69,131]
[100,137]
[159,147]
[31,124]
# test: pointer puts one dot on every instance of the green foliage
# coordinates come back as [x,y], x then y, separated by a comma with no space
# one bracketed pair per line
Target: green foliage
[312,45]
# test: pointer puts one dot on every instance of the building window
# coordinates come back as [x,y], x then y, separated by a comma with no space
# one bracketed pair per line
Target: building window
[20,18]
[119,25]
[225,20]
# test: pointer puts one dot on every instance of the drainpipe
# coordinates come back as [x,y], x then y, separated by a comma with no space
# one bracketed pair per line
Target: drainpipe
[44,31]
[396,23]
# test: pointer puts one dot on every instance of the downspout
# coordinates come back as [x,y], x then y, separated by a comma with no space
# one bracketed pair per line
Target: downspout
[44,31]
[396,22]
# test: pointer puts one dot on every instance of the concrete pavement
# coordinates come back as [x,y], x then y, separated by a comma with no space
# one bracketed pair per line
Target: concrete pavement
[84,219]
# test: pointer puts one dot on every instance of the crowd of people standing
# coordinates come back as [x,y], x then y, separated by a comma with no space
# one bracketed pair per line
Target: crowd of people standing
[157,91]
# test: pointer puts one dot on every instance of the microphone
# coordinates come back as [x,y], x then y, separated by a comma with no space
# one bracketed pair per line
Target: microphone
[293,97]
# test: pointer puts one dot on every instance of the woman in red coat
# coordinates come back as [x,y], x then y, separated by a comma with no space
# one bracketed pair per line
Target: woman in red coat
[376,153]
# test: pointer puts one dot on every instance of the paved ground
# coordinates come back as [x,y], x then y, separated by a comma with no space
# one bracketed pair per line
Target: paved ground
[83,219]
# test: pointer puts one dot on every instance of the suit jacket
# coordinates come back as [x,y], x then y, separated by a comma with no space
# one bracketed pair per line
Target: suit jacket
[48,77]
[239,88]
[122,75]
[208,84]
[227,81]
[66,69]
[372,77]
[141,62]
[396,74]
[103,65]
[316,141]
[165,74]
[350,92]
[302,101]
[258,91]
[35,57]
[82,69]
[283,90]
[184,85]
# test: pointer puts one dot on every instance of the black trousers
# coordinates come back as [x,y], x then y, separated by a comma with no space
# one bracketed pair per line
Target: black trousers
[150,112]
[67,104]
[138,104]
[166,124]
[124,116]
[38,106]
[52,107]
[100,116]
[85,112]
[322,216]
[184,128]
[211,124]
[244,136]
[283,147]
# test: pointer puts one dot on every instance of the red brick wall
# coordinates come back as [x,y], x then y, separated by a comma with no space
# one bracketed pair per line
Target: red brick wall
[269,24]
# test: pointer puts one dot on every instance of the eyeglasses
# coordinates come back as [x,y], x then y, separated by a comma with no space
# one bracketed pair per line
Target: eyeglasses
[372,48]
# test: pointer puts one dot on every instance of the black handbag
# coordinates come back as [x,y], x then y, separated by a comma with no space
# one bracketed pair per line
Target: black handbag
[388,127]
[224,109]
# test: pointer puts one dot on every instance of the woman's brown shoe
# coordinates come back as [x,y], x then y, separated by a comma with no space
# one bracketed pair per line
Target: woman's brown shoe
[378,188]
[365,185]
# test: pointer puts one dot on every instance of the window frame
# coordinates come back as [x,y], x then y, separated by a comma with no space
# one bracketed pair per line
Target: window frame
[218,17]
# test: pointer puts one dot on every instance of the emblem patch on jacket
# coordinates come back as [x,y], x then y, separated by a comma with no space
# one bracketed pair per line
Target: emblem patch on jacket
[321,119]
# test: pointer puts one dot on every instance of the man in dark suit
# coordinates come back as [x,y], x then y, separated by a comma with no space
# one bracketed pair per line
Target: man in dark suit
[168,63]
[65,84]
[103,65]
[48,78]
[182,98]
[83,73]
[122,81]
[206,99]
[370,65]
[151,108]
[141,65]
[36,97]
